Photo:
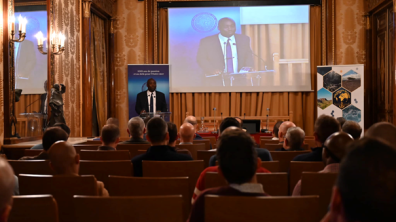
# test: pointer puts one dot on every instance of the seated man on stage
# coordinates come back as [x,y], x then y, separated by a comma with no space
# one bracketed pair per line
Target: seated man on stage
[151,100]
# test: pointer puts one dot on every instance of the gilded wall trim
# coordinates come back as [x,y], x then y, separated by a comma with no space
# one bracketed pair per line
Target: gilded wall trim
[87,8]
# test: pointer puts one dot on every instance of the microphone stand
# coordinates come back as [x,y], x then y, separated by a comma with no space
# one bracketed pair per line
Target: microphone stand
[267,118]
[214,121]
[31,104]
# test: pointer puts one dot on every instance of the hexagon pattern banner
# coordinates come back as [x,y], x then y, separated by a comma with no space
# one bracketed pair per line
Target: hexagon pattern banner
[340,92]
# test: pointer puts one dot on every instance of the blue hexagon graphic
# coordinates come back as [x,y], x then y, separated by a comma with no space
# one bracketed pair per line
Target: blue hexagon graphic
[352,113]
[325,98]
[341,98]
[332,81]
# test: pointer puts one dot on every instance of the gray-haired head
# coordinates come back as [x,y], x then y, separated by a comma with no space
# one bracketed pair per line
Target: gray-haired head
[295,138]
[136,127]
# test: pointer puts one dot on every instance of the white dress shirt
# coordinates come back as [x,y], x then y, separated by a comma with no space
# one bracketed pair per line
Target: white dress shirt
[223,42]
[154,100]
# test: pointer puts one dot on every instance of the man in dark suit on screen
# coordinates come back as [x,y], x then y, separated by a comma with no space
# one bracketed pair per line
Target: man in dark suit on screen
[225,52]
[150,100]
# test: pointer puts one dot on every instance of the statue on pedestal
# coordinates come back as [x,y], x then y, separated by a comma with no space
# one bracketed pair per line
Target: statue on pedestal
[56,104]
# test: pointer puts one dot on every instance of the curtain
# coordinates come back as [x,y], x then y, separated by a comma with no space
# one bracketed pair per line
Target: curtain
[99,68]
[302,104]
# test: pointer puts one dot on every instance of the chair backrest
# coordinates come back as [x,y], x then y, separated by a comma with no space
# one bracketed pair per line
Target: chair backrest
[284,158]
[105,155]
[98,142]
[151,186]
[265,137]
[102,169]
[191,169]
[62,188]
[80,147]
[319,184]
[205,156]
[124,209]
[310,143]
[133,148]
[263,142]
[29,152]
[193,148]
[205,141]
[14,152]
[298,167]
[212,140]
[274,184]
[34,208]
[272,166]
[285,209]
[31,167]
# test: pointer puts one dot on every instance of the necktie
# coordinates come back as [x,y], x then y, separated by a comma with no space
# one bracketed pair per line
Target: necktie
[230,63]
[151,103]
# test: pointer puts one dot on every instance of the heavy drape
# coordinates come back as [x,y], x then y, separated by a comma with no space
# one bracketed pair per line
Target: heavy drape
[99,68]
[302,104]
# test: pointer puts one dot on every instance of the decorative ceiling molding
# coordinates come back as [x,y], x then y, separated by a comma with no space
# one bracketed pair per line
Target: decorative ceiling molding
[105,5]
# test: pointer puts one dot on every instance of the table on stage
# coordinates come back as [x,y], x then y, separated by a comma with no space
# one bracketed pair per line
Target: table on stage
[255,135]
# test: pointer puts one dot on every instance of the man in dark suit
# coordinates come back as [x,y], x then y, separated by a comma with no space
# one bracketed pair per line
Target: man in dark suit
[158,136]
[225,52]
[151,100]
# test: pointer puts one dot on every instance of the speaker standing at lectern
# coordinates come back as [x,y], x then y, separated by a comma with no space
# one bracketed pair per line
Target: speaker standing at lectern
[150,100]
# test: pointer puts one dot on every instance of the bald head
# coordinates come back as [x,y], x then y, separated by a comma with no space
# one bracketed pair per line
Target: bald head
[191,120]
[136,127]
[283,129]
[383,131]
[187,132]
[63,158]
[336,147]
[7,184]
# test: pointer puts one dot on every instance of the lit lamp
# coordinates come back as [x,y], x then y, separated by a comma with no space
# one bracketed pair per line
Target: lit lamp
[40,42]
[21,28]
[57,43]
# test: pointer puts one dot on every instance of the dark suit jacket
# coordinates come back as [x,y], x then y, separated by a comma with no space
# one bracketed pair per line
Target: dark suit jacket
[135,141]
[210,54]
[315,155]
[283,149]
[142,102]
[158,153]
[43,96]
[264,155]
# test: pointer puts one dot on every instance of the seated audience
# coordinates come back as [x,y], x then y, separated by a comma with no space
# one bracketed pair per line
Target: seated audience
[158,136]
[172,130]
[383,131]
[341,121]
[264,154]
[7,185]
[136,130]
[365,188]
[51,135]
[200,186]
[275,131]
[193,121]
[64,161]
[335,150]
[283,130]
[187,133]
[113,121]
[324,127]
[59,125]
[110,136]
[352,128]
[238,163]
[294,140]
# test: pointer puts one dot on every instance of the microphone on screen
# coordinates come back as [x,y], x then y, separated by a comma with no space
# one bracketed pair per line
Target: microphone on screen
[259,58]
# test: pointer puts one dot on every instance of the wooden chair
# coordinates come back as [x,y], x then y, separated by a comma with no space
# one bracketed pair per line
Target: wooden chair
[272,166]
[193,148]
[310,143]
[319,184]
[285,209]
[205,141]
[266,138]
[34,208]
[92,142]
[284,158]
[274,184]
[85,147]
[31,167]
[29,152]
[125,209]
[105,155]
[263,142]
[205,155]
[151,186]
[62,189]
[102,169]
[191,169]
[14,152]
[212,140]
[133,148]
[298,167]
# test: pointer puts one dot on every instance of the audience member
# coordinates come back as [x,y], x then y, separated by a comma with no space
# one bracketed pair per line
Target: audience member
[59,125]
[383,131]
[113,121]
[187,134]
[136,130]
[200,186]
[324,127]
[335,150]
[352,128]
[51,135]
[66,162]
[238,163]
[193,121]
[275,131]
[341,121]
[294,140]
[264,154]
[283,130]
[110,136]
[365,189]
[172,130]
[7,185]
[158,136]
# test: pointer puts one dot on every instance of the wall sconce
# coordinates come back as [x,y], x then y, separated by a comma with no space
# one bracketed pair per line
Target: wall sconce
[22,29]
[57,43]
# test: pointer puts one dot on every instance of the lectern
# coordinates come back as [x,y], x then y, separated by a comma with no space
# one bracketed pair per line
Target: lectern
[164,115]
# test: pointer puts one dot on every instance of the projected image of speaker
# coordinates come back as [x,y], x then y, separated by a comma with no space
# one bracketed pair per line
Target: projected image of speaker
[251,126]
